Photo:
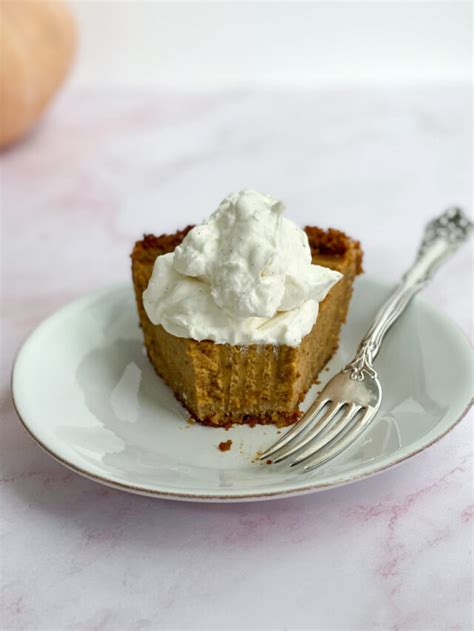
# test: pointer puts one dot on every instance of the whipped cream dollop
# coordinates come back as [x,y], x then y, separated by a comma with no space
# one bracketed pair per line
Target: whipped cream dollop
[242,277]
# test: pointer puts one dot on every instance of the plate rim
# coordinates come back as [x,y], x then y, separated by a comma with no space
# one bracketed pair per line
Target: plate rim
[214,497]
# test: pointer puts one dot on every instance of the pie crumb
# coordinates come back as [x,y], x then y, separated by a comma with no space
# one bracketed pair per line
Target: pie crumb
[225,445]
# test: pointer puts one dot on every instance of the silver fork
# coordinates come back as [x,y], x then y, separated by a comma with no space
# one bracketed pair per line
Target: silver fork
[351,399]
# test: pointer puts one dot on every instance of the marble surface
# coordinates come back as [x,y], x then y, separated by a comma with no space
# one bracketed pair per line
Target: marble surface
[392,552]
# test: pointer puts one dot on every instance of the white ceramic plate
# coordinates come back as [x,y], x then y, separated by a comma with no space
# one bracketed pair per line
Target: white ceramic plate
[86,392]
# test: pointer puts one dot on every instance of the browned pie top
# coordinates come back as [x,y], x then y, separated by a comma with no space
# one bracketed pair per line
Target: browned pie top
[323,243]
[330,241]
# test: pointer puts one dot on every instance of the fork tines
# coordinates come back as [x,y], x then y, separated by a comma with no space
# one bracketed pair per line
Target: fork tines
[325,430]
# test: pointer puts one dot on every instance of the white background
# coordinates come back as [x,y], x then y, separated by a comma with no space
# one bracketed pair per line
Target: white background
[221,44]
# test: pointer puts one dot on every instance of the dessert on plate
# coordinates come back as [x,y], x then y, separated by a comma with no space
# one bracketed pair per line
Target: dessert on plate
[241,313]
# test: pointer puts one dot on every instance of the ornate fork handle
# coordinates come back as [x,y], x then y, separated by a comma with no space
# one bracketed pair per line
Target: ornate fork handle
[441,238]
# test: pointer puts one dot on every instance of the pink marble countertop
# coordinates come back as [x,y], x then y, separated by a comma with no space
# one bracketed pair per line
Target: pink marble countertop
[392,552]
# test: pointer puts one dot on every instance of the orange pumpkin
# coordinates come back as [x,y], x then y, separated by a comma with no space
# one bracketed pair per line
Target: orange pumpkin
[37,45]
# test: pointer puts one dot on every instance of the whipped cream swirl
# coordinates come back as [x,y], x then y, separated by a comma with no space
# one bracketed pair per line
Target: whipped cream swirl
[242,277]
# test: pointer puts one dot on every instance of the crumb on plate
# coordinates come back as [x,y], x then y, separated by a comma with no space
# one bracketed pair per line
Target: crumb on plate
[225,445]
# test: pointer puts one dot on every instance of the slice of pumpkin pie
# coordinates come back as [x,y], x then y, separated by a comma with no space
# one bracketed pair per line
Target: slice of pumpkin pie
[241,313]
